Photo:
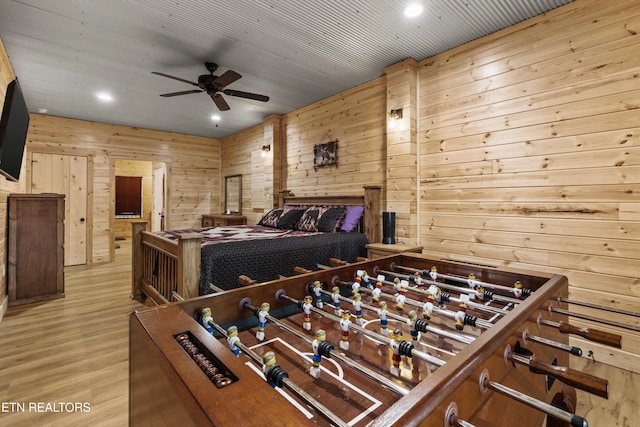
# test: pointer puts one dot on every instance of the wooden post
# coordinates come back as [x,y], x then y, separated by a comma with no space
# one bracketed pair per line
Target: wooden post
[136,258]
[372,213]
[188,265]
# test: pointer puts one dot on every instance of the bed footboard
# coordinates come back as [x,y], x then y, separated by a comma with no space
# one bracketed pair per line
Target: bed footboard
[164,270]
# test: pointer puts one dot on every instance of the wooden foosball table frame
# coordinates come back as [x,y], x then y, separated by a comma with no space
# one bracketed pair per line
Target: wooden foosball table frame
[168,388]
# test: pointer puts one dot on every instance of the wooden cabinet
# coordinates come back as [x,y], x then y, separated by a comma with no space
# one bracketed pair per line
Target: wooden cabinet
[35,248]
[221,220]
[378,250]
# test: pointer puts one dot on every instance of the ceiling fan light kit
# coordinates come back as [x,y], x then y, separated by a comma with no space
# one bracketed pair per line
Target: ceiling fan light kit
[214,86]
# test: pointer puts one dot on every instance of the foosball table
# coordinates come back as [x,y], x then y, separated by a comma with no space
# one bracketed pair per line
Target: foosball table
[397,341]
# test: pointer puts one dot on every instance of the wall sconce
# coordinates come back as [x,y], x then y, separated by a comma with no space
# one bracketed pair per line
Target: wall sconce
[396,114]
[265,150]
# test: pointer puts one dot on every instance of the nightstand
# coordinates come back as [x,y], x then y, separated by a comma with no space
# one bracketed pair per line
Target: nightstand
[222,220]
[378,250]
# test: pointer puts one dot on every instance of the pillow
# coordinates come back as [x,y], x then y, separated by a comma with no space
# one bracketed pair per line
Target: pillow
[321,218]
[352,218]
[271,218]
[289,218]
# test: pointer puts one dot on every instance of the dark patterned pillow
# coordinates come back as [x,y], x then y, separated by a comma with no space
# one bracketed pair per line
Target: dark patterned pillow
[271,218]
[289,218]
[321,218]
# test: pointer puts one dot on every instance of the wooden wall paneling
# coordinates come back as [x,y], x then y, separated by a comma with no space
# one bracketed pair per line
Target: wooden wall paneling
[528,154]
[195,161]
[357,119]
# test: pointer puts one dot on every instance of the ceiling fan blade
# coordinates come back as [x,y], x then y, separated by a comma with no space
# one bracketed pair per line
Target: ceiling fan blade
[227,78]
[247,95]
[220,102]
[174,78]
[184,92]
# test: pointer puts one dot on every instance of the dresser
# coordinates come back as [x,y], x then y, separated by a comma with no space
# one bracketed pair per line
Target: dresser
[35,247]
[222,220]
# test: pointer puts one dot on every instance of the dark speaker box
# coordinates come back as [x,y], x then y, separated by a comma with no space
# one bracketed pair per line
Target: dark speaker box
[389,228]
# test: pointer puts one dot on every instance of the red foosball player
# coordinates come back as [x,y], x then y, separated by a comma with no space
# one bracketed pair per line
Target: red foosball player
[396,358]
[382,312]
[233,339]
[377,291]
[262,319]
[306,309]
[317,287]
[417,279]
[427,308]
[335,297]
[345,322]
[317,345]
[401,297]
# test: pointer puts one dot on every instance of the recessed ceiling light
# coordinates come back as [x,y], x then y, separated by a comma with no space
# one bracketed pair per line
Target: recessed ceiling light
[215,118]
[104,96]
[42,110]
[413,10]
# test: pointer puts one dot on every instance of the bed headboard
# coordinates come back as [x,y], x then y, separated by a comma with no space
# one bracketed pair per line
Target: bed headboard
[370,224]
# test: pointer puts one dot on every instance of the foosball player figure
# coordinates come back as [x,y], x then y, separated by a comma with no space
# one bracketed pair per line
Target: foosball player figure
[273,373]
[417,278]
[320,347]
[335,297]
[206,318]
[427,308]
[262,319]
[433,273]
[412,319]
[462,312]
[377,291]
[366,280]
[401,297]
[517,290]
[355,285]
[396,284]
[345,322]
[233,339]
[306,309]
[357,308]
[317,287]
[471,281]
[396,358]
[382,312]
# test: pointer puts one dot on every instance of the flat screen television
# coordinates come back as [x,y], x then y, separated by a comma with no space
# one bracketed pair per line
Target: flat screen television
[13,132]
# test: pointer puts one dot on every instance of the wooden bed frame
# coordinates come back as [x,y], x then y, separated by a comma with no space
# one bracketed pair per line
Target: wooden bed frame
[165,270]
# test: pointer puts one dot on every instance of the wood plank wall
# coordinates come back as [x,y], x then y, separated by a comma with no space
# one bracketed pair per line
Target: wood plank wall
[193,167]
[6,187]
[530,157]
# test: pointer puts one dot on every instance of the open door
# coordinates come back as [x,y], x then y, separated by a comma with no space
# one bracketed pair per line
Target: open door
[159,197]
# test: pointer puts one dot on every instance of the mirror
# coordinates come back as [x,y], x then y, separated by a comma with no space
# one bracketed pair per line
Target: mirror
[233,194]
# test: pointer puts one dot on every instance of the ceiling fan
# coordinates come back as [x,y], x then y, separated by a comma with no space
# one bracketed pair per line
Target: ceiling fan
[214,85]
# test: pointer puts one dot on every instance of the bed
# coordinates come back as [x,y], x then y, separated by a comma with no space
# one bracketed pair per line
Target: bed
[182,264]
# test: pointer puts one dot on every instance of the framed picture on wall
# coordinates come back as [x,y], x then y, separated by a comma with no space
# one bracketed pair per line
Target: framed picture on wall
[325,154]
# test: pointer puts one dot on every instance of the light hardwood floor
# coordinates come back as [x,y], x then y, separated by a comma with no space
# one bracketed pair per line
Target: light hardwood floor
[75,350]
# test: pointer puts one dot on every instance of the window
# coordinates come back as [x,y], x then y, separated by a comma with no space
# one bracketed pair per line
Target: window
[129,196]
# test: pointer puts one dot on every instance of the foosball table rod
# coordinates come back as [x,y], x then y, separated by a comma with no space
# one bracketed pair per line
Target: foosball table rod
[591,334]
[407,349]
[277,375]
[451,417]
[594,319]
[576,351]
[246,304]
[465,339]
[562,415]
